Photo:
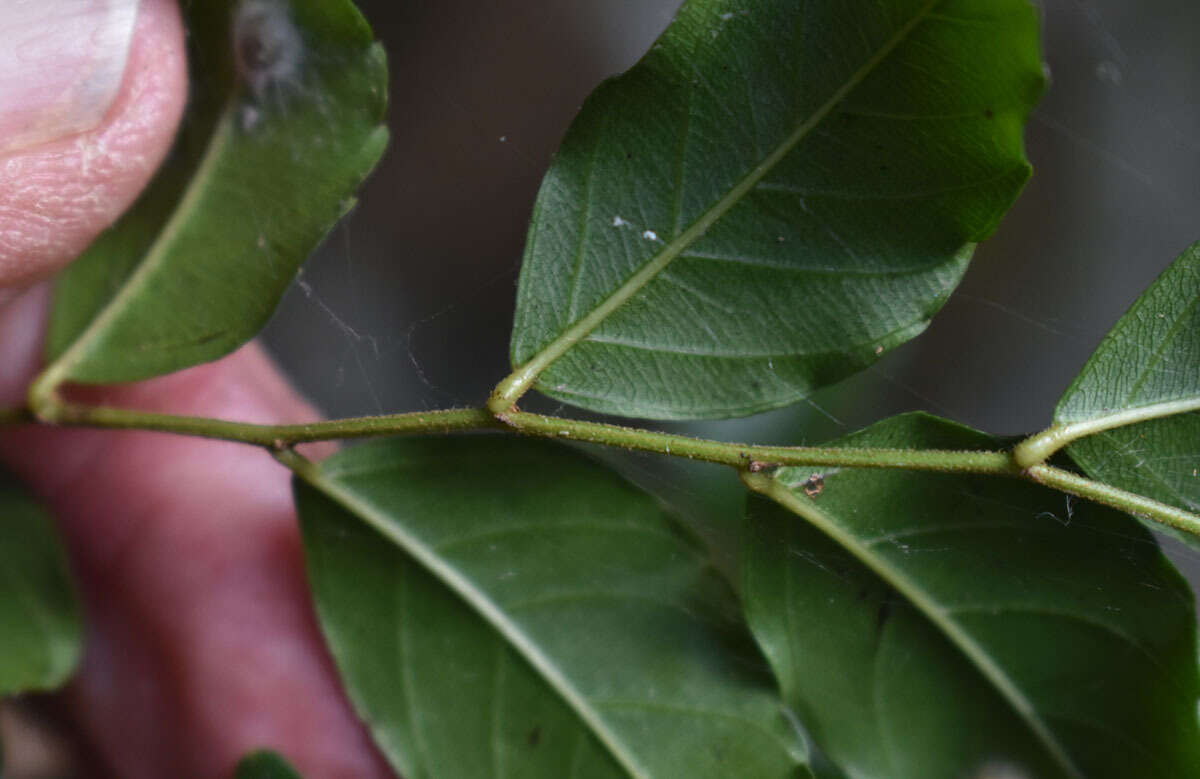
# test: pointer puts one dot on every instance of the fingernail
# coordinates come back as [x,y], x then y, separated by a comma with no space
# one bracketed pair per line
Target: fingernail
[61,66]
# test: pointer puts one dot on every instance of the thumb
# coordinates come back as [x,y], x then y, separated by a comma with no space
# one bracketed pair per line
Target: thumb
[91,92]
[201,639]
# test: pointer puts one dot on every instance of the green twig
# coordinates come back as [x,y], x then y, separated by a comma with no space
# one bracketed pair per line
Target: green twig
[272,436]
[744,457]
[759,458]
[1130,502]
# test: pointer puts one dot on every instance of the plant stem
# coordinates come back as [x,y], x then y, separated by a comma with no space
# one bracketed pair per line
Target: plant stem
[1130,502]
[758,458]
[273,436]
[745,458]
[753,459]
[1038,448]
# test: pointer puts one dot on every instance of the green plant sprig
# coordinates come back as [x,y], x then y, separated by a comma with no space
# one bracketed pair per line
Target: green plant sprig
[1020,462]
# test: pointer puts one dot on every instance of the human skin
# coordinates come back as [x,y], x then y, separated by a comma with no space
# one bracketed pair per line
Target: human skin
[201,642]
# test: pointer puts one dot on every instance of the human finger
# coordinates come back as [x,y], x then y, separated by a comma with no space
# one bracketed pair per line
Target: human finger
[91,92]
[201,643]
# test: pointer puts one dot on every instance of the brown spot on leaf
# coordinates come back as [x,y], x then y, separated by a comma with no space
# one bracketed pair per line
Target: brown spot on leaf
[812,488]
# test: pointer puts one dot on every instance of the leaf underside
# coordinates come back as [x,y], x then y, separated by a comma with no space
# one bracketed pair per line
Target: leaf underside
[777,194]
[508,608]
[264,765]
[40,622]
[934,625]
[258,176]
[1151,356]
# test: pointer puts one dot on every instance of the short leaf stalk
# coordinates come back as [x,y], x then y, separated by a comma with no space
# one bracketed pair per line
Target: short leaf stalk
[1099,492]
[1038,448]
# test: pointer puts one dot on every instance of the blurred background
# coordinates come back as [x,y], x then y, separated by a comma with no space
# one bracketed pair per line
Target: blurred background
[408,305]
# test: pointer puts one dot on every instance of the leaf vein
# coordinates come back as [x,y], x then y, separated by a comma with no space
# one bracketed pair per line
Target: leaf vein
[986,609]
[581,328]
[482,605]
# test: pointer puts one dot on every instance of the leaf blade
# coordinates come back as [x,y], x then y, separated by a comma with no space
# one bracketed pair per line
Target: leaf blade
[681,283]
[264,765]
[257,178]
[996,634]
[40,618]
[1146,367]
[556,591]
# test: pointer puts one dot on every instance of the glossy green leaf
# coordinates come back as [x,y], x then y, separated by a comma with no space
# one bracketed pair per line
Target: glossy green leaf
[263,169]
[265,765]
[1148,365]
[946,625]
[40,624]
[778,193]
[503,607]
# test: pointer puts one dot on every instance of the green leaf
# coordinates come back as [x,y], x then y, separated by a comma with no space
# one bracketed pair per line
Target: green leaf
[774,196]
[1147,368]
[503,607]
[40,624]
[265,765]
[261,172]
[937,625]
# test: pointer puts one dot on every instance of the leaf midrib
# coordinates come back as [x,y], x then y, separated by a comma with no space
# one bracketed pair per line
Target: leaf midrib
[83,345]
[582,327]
[426,556]
[1129,407]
